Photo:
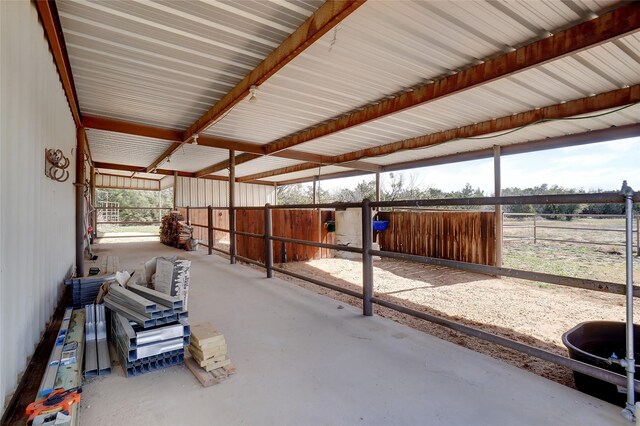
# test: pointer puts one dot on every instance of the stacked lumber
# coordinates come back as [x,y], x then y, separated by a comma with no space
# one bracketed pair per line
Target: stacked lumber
[175,232]
[209,361]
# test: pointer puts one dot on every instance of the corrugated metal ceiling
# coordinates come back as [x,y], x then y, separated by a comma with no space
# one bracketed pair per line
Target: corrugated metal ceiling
[165,63]
[143,48]
[128,174]
[191,158]
[110,147]
[530,133]
[386,47]
[325,170]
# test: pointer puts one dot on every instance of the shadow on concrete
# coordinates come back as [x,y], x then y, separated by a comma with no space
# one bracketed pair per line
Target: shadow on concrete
[535,365]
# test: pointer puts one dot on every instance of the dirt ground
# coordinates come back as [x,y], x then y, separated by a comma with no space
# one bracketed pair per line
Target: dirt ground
[532,313]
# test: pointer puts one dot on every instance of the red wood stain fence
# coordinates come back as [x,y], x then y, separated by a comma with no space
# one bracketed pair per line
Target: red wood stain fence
[297,224]
[199,216]
[463,236]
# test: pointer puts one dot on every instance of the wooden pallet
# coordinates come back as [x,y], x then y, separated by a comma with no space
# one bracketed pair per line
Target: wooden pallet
[208,378]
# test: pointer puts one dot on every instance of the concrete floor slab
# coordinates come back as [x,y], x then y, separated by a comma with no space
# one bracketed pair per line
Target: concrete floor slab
[305,359]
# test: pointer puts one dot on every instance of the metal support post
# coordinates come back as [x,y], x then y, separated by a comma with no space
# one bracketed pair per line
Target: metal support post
[93,203]
[232,206]
[315,185]
[638,236]
[535,228]
[275,193]
[367,260]
[268,243]
[81,137]
[210,228]
[629,362]
[188,216]
[175,192]
[497,190]
[377,186]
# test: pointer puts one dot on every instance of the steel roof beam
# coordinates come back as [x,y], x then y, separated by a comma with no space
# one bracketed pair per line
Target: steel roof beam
[330,14]
[137,129]
[53,30]
[613,25]
[329,176]
[164,172]
[591,104]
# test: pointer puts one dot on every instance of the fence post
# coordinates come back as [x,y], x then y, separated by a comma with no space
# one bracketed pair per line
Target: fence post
[232,207]
[535,229]
[367,260]
[268,243]
[210,228]
[188,219]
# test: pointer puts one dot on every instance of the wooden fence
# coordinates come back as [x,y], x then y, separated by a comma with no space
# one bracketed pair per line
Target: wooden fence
[297,224]
[463,236]
[199,216]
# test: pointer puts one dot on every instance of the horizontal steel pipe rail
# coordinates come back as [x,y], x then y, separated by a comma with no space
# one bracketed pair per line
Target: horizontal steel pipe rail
[219,250]
[133,208]
[578,228]
[314,244]
[580,242]
[250,234]
[318,282]
[603,286]
[247,260]
[130,223]
[248,208]
[316,206]
[597,198]
[219,229]
[578,366]
[198,225]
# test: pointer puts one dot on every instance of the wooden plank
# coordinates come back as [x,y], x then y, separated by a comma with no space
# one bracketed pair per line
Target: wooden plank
[217,365]
[205,333]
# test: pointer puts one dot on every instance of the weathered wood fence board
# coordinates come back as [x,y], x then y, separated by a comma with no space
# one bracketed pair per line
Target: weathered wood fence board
[199,216]
[297,224]
[462,236]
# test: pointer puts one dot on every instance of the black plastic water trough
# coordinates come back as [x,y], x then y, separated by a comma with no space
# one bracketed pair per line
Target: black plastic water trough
[594,342]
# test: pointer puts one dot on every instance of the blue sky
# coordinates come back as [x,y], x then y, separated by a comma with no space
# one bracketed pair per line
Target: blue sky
[596,166]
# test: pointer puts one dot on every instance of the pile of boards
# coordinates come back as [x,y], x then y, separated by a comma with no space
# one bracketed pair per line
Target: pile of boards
[175,232]
[209,361]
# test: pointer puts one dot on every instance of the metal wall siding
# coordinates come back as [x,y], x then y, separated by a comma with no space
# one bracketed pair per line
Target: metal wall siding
[37,225]
[195,192]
